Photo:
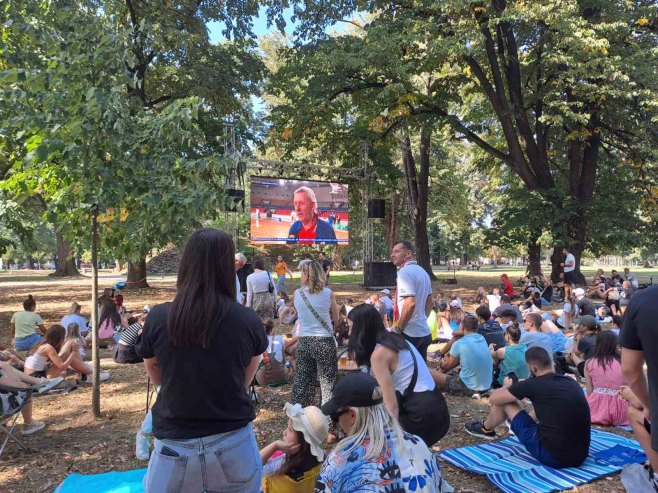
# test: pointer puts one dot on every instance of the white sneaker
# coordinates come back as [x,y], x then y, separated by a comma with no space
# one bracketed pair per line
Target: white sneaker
[48,384]
[33,427]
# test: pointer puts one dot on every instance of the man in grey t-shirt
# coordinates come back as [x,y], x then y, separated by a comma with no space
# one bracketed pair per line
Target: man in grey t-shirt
[413,300]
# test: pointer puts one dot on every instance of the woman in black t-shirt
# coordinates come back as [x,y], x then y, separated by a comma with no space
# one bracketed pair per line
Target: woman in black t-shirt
[203,349]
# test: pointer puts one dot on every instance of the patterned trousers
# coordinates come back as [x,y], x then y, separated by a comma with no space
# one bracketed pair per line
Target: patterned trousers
[315,359]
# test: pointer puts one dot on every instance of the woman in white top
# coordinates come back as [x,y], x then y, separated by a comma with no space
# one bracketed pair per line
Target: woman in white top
[261,292]
[316,350]
[271,370]
[419,406]
[45,359]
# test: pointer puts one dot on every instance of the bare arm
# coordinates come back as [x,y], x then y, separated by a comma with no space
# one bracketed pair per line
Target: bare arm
[429,305]
[501,396]
[153,370]
[407,311]
[250,371]
[632,366]
[42,328]
[334,310]
[57,361]
[588,381]
[448,362]
[380,362]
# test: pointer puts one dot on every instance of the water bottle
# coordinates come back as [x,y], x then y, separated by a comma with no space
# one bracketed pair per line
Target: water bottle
[142,446]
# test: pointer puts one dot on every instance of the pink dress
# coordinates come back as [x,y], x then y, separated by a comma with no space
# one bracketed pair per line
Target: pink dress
[605,405]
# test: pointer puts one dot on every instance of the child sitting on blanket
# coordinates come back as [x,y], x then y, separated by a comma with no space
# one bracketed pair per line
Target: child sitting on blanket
[293,464]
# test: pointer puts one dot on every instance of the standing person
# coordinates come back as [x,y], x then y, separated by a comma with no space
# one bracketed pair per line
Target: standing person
[413,298]
[242,270]
[560,437]
[409,391]
[315,356]
[261,293]
[569,266]
[326,266]
[74,317]
[281,270]
[25,324]
[639,342]
[203,349]
[377,455]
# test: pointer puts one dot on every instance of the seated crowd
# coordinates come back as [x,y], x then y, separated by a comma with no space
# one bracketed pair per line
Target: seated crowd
[548,374]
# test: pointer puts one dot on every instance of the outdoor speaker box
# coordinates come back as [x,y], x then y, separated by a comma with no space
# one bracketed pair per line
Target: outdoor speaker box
[234,201]
[376,209]
[379,275]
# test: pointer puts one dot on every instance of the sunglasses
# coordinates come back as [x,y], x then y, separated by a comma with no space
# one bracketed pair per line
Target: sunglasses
[336,416]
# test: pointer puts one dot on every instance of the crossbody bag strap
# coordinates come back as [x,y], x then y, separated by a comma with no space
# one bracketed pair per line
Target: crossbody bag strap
[414,378]
[315,313]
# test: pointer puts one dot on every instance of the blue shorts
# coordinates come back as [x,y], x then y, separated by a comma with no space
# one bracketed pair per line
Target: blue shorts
[526,430]
[25,343]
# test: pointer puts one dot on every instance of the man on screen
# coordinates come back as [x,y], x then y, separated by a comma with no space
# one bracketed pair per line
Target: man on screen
[308,228]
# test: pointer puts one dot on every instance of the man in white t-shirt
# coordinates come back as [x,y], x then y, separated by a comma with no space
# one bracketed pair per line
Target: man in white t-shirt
[569,265]
[413,298]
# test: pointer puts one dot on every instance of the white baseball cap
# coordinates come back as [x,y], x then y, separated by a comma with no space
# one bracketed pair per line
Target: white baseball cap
[385,291]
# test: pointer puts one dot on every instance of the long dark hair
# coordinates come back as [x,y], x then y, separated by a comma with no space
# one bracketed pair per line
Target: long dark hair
[109,312]
[206,288]
[606,349]
[295,465]
[367,331]
[55,336]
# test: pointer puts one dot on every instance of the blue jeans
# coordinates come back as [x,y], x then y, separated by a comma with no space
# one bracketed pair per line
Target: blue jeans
[281,284]
[224,462]
[25,343]
[526,430]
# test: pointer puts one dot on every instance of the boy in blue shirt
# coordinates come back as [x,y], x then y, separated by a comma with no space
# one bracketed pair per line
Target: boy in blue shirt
[471,352]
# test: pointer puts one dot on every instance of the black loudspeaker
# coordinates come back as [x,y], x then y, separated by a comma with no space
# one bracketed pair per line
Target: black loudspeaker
[376,209]
[379,275]
[234,200]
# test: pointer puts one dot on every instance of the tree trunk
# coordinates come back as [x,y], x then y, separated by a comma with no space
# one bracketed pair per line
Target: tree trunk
[137,274]
[29,262]
[417,191]
[534,257]
[392,220]
[65,259]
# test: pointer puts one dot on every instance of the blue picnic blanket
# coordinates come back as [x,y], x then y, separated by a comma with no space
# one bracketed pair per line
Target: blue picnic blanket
[508,465]
[108,482]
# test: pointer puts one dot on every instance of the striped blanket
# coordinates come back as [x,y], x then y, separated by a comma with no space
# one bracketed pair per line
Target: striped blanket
[508,465]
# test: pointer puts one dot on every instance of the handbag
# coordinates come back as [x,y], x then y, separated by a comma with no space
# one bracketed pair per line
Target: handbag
[423,413]
[317,316]
[270,286]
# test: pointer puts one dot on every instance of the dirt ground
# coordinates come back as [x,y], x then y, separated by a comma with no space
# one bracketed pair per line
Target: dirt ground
[73,441]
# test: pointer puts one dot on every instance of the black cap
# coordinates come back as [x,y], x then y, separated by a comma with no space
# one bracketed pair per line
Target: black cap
[355,390]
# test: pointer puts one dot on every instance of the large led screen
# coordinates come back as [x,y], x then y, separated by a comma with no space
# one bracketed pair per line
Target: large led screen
[300,212]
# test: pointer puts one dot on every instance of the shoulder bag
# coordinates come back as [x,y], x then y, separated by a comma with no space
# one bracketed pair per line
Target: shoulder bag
[317,315]
[423,413]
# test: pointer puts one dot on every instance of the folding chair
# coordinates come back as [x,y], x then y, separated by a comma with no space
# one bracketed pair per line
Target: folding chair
[12,401]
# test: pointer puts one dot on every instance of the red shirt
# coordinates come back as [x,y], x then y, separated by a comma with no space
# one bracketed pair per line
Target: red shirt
[508,288]
[307,236]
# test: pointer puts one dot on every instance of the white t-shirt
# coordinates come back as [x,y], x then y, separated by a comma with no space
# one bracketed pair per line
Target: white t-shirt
[494,301]
[275,345]
[414,281]
[570,259]
[259,282]
[402,375]
[309,326]
[75,319]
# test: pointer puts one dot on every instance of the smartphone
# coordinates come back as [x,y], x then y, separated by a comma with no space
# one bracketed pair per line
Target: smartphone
[513,377]
[168,452]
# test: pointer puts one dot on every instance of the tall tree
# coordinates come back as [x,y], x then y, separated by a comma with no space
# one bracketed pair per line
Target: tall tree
[550,77]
